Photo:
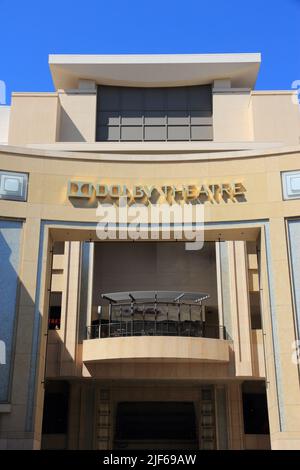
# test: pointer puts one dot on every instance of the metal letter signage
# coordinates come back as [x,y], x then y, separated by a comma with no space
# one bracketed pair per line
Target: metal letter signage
[200,193]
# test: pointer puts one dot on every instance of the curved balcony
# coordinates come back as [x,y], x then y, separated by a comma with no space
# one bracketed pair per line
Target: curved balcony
[155,349]
[155,326]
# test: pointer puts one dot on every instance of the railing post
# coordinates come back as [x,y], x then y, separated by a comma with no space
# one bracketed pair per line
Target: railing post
[202,313]
[132,314]
[155,312]
[121,318]
[167,319]
[109,319]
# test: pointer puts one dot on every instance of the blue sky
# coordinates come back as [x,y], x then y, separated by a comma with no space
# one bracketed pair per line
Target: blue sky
[31,29]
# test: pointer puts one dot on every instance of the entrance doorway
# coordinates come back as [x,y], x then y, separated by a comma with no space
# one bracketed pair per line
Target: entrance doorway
[155,425]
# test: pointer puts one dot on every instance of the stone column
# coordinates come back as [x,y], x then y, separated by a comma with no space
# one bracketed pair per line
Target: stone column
[236,424]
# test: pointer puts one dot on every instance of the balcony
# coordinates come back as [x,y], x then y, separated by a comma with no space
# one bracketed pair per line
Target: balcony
[155,326]
[154,313]
[196,329]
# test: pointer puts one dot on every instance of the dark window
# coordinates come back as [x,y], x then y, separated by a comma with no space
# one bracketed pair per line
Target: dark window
[55,419]
[154,114]
[54,311]
[255,413]
[54,317]
[155,420]
[254,298]
[58,248]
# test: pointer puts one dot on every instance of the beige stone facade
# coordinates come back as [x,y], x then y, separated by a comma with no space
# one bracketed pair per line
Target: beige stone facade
[248,264]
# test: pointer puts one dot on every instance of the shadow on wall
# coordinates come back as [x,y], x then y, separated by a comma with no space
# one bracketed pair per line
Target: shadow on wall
[68,129]
[21,328]
[9,261]
[17,324]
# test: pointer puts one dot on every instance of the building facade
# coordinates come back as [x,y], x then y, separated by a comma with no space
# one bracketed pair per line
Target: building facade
[140,341]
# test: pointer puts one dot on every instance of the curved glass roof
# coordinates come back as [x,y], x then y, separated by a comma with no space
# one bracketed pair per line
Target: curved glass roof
[155,296]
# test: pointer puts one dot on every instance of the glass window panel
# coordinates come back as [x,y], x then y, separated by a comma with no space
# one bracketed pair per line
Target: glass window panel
[201,133]
[154,98]
[178,133]
[132,118]
[131,133]
[196,312]
[155,133]
[199,97]
[155,118]
[179,118]
[173,313]
[132,98]
[108,98]
[176,107]
[108,133]
[177,98]
[109,118]
[201,117]
[184,312]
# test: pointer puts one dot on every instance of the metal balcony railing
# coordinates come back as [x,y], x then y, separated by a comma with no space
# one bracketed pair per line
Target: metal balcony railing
[196,329]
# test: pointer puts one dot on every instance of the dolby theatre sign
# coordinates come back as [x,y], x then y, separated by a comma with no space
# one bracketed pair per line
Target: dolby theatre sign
[202,192]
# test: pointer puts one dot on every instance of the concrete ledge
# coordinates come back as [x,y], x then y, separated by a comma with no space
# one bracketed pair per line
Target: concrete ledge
[114,156]
[152,348]
[166,148]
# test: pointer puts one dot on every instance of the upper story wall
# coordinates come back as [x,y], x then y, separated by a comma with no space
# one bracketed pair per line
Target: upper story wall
[46,118]
[238,115]
[4,123]
[232,118]
[34,118]
[275,116]
[77,116]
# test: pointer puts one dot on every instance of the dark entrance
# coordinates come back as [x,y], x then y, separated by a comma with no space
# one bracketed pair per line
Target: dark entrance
[155,425]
